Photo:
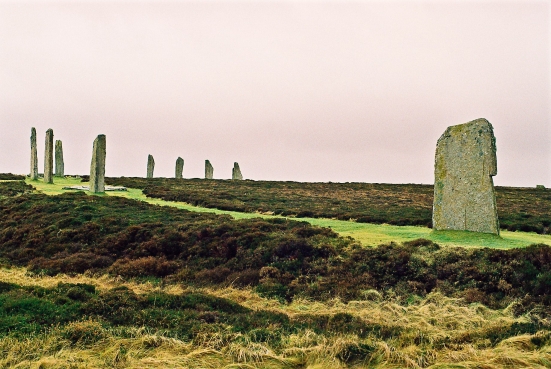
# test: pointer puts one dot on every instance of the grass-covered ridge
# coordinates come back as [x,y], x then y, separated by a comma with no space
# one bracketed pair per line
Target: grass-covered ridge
[524,209]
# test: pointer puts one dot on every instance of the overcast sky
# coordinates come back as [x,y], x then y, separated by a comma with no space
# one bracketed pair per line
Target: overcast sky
[292,90]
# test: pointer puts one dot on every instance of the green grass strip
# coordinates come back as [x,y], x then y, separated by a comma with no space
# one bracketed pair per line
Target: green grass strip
[366,233]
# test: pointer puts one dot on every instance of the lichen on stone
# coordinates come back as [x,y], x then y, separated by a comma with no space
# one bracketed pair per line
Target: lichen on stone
[464,195]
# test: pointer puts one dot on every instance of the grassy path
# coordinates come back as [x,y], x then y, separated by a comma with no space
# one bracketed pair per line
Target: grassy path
[367,234]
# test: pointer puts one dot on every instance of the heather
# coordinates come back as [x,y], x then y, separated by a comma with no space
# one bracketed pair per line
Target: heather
[107,281]
[524,209]
[280,258]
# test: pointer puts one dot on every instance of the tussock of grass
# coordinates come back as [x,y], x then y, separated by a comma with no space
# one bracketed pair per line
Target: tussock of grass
[102,282]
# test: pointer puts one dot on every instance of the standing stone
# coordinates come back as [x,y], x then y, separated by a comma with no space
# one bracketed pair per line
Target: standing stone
[59,165]
[209,170]
[464,196]
[34,156]
[97,168]
[179,167]
[49,157]
[236,172]
[150,166]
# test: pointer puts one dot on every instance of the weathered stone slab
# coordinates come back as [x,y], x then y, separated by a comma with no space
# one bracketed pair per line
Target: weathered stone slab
[87,188]
[34,156]
[59,164]
[464,195]
[179,167]
[150,166]
[236,172]
[49,157]
[97,167]
[209,170]
[115,188]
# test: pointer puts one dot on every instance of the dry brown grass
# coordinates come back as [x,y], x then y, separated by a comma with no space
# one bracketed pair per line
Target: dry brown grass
[436,332]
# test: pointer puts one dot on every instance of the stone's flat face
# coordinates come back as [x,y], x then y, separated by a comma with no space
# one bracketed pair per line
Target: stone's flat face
[97,167]
[179,167]
[236,172]
[49,157]
[59,164]
[34,156]
[209,170]
[150,166]
[87,188]
[464,195]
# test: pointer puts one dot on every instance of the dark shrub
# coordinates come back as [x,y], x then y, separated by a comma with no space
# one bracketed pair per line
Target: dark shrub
[247,277]
[75,263]
[215,275]
[11,177]
[150,265]
[14,188]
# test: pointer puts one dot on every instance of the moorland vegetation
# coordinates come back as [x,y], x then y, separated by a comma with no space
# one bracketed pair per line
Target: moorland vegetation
[11,177]
[98,281]
[519,209]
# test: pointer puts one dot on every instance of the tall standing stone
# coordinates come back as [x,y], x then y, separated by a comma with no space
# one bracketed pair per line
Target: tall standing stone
[464,195]
[236,172]
[34,156]
[49,157]
[209,170]
[150,166]
[97,167]
[179,167]
[59,165]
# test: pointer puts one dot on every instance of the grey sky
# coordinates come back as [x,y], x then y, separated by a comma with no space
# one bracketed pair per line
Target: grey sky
[292,90]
